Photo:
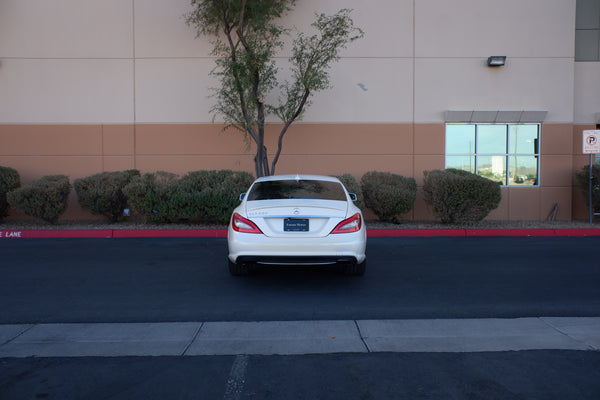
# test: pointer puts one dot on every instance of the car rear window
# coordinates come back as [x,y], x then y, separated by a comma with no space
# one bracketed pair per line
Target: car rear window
[297,189]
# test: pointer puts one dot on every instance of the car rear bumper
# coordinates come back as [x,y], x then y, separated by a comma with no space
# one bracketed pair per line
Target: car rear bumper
[296,260]
[336,248]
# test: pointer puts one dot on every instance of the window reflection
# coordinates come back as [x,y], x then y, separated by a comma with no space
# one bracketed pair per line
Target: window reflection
[505,153]
[491,139]
[465,163]
[523,170]
[460,139]
[523,139]
[492,167]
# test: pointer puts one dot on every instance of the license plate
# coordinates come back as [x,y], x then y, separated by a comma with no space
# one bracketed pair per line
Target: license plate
[295,225]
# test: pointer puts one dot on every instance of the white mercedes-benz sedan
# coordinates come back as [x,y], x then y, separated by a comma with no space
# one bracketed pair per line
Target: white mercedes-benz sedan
[297,220]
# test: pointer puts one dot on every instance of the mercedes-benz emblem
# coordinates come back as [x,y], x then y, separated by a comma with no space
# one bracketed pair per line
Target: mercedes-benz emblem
[296,211]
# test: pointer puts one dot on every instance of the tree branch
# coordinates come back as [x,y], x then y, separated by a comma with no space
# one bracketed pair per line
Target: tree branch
[241,21]
[287,125]
[238,85]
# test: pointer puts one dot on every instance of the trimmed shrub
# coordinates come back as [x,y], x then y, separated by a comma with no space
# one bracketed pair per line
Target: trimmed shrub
[155,196]
[352,186]
[102,194]
[388,195]
[44,198]
[9,180]
[583,181]
[460,196]
[207,196]
[214,194]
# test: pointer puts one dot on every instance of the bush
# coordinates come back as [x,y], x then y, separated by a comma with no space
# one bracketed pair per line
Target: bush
[102,194]
[352,186]
[388,195]
[460,196]
[154,196]
[214,194]
[583,181]
[44,198]
[206,196]
[9,180]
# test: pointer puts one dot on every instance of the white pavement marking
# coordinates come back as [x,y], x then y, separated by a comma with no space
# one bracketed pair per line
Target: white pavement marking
[298,337]
[237,378]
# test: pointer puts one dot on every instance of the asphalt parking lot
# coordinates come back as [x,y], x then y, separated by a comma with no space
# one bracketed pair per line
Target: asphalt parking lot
[432,318]
[186,279]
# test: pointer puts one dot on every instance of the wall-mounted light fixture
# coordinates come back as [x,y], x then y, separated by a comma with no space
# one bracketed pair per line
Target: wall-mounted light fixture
[496,61]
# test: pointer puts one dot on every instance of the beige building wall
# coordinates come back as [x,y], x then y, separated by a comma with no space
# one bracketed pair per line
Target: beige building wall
[89,86]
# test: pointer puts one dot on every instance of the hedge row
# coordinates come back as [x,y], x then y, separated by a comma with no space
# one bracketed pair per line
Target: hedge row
[210,196]
[207,196]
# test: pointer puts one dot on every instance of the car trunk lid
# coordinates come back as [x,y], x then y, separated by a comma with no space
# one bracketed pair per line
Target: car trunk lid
[289,218]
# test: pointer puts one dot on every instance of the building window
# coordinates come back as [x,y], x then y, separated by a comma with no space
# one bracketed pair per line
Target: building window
[505,153]
[587,30]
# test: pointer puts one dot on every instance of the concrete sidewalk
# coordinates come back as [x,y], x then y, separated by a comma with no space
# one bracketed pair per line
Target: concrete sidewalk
[298,337]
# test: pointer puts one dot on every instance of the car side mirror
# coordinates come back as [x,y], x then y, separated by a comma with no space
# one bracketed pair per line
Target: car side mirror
[352,196]
[242,196]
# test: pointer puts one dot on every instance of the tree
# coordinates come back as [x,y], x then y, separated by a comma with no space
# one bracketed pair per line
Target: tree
[247,36]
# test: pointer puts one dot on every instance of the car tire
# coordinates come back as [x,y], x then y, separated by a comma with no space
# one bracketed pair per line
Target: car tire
[237,269]
[356,269]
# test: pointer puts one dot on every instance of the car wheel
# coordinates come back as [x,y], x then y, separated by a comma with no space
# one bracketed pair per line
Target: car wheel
[237,269]
[356,269]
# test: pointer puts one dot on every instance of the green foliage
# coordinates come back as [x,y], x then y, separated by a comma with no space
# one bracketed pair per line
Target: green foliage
[102,193]
[209,19]
[388,195]
[206,196]
[352,186]
[247,38]
[44,198]
[460,196]
[9,180]
[214,194]
[155,196]
[311,59]
[583,181]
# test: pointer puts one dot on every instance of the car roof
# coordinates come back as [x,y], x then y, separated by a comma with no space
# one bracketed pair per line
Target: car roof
[298,177]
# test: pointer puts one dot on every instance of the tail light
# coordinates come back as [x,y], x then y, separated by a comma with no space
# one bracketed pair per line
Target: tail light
[241,224]
[352,224]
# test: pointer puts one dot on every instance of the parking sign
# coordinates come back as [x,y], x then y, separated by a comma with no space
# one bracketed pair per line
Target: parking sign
[591,142]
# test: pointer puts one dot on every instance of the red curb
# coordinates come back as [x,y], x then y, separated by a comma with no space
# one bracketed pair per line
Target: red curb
[414,232]
[511,232]
[133,233]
